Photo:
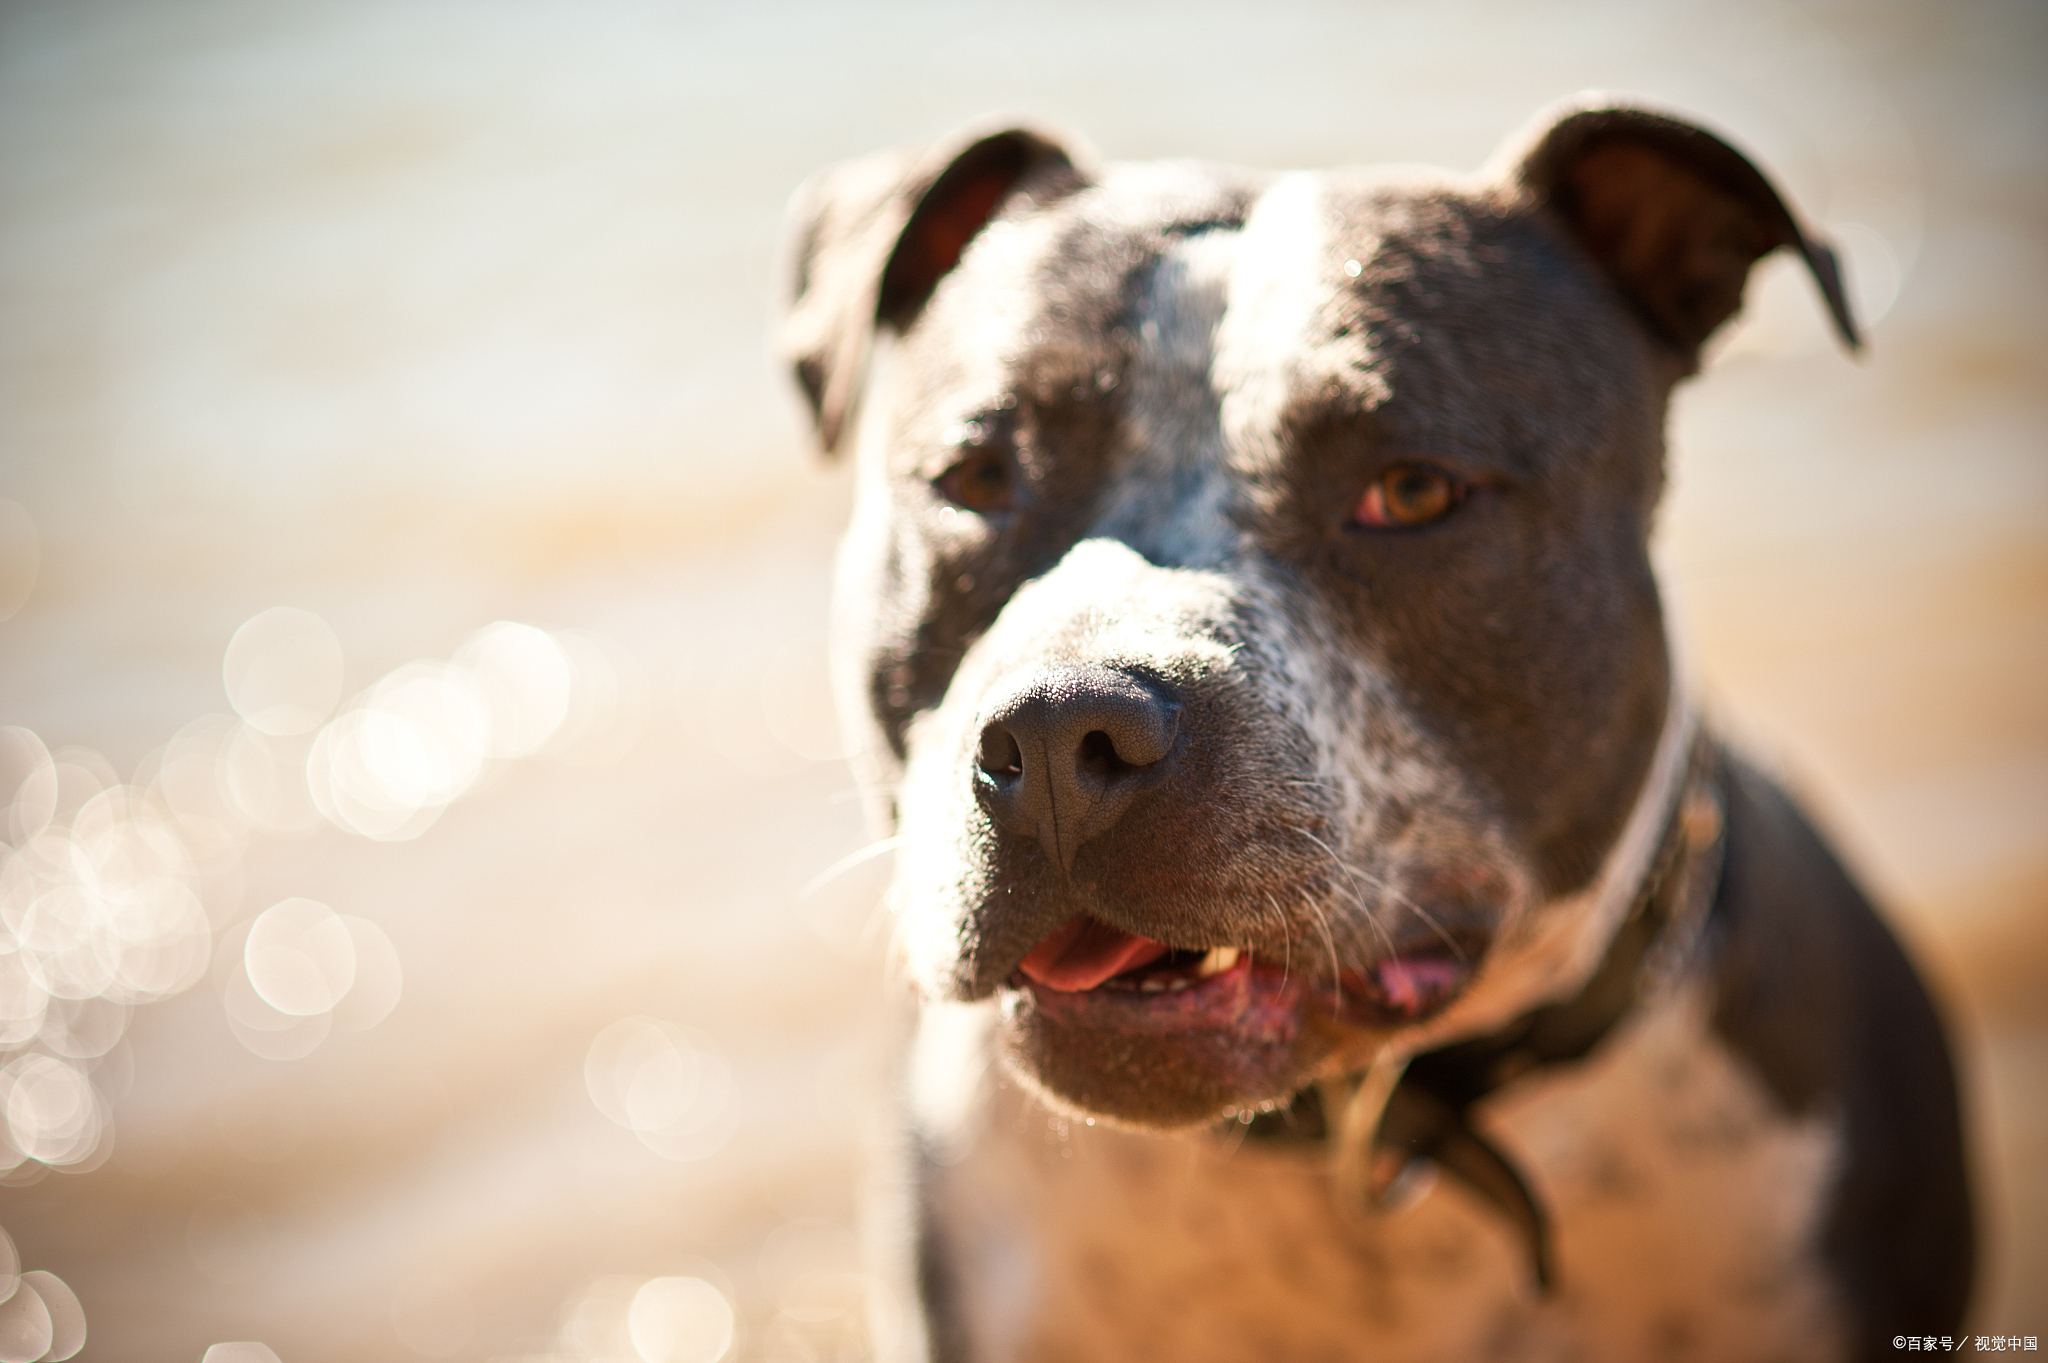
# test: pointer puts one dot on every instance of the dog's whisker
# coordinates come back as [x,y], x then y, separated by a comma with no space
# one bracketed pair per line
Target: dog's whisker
[1386,889]
[895,963]
[1336,973]
[1366,909]
[847,863]
[1366,916]
[1382,886]
[880,917]
[1286,937]
[1431,921]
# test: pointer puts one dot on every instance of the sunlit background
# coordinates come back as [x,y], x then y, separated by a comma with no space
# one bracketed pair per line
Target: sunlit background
[432,917]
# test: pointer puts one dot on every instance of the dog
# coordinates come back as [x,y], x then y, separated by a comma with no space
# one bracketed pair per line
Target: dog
[1337,935]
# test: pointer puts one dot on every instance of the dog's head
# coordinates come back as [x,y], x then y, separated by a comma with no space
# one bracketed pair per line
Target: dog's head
[1248,599]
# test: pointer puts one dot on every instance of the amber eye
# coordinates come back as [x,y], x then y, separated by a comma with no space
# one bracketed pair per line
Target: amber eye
[980,482]
[1407,496]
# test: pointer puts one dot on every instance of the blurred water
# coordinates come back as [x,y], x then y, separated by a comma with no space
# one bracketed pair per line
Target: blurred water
[384,396]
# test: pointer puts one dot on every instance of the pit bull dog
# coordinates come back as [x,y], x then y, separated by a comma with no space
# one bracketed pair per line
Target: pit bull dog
[1337,936]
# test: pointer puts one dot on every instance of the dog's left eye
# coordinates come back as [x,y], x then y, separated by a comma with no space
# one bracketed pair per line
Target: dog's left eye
[1408,496]
[980,482]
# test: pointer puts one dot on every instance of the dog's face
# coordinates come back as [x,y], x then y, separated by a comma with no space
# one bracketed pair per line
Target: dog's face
[1248,593]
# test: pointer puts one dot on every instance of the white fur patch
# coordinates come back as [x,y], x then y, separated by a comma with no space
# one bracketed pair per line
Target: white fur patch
[1276,292]
[1220,330]
[948,1076]
[1171,496]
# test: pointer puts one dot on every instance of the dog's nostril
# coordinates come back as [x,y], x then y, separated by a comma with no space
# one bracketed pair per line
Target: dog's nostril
[999,754]
[1099,755]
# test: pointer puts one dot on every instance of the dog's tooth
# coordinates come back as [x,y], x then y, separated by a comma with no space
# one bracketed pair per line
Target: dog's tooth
[1216,962]
[1152,986]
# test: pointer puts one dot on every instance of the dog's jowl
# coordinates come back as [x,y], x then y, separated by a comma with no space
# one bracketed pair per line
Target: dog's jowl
[1337,936]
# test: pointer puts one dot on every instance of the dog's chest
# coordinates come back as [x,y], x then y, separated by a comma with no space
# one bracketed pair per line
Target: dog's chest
[1685,1212]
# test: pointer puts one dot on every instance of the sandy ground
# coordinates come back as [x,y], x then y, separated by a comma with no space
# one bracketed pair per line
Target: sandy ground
[423,317]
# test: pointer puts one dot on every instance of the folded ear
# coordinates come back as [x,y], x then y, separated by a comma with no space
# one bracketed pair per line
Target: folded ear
[1674,215]
[868,241]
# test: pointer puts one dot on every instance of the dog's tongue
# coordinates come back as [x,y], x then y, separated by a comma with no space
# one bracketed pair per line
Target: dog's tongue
[1415,983]
[1084,952]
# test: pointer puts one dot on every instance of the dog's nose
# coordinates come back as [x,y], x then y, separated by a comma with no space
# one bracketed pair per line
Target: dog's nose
[1063,756]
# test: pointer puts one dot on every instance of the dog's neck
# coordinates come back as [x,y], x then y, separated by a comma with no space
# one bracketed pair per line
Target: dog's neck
[1632,861]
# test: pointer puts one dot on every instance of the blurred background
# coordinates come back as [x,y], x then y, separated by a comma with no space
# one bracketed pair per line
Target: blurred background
[436,923]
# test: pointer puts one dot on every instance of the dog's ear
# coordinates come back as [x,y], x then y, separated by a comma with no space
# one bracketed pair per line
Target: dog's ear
[868,241]
[1674,215]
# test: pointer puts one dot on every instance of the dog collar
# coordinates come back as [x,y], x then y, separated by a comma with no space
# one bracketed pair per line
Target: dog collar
[1406,1114]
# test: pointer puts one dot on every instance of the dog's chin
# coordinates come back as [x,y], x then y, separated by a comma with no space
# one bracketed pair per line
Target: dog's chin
[1148,1061]
[1175,1057]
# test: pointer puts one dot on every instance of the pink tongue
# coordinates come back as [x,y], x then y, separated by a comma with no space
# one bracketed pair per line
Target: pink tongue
[1412,985]
[1083,953]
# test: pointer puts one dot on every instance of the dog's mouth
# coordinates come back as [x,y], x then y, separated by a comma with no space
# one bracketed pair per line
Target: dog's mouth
[1086,953]
[1092,973]
[1113,1023]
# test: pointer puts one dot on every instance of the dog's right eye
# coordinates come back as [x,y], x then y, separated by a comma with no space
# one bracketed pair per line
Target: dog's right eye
[980,482]
[1408,497]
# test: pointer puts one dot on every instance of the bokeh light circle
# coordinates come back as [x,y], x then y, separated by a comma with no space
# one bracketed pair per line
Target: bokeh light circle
[669,1086]
[379,977]
[67,1317]
[26,1329]
[283,670]
[523,682]
[28,784]
[680,1320]
[53,1114]
[240,1351]
[300,956]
